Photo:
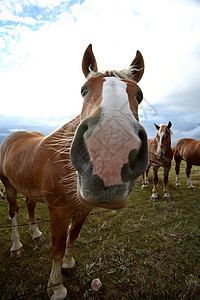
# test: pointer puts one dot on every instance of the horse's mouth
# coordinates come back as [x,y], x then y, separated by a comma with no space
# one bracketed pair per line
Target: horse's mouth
[115,206]
[97,195]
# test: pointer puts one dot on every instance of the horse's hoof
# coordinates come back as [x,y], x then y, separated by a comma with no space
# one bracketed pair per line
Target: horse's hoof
[144,186]
[68,263]
[39,239]
[56,292]
[17,253]
[154,196]
[178,184]
[191,187]
[166,195]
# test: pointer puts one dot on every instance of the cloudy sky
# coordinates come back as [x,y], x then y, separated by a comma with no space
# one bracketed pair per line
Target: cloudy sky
[42,43]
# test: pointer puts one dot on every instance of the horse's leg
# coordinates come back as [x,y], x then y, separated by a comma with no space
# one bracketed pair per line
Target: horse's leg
[59,224]
[147,172]
[11,194]
[76,225]
[178,160]
[34,230]
[188,171]
[1,190]
[145,181]
[155,182]
[166,174]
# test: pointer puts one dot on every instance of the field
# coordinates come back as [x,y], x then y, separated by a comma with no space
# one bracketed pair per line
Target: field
[148,250]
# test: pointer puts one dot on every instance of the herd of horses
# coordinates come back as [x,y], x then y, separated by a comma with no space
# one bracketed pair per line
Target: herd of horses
[92,161]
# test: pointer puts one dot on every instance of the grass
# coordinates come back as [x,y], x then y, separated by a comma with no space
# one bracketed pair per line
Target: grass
[148,250]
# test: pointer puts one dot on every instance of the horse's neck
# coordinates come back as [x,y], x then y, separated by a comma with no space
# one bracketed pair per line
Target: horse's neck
[62,137]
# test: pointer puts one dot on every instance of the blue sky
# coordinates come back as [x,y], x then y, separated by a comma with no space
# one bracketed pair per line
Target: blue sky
[42,43]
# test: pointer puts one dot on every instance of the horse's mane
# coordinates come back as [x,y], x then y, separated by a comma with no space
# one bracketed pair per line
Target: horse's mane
[126,74]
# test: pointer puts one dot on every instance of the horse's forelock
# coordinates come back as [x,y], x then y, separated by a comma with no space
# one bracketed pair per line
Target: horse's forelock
[162,125]
[125,74]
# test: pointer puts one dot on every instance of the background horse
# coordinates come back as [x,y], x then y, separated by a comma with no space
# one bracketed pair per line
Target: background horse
[188,150]
[2,190]
[160,155]
[92,161]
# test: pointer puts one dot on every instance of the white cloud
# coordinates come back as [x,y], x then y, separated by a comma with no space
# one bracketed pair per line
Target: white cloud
[47,77]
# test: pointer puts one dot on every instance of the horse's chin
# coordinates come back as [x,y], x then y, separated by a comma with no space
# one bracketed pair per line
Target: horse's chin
[114,205]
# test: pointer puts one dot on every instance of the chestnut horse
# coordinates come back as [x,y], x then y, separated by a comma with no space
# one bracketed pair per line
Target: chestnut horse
[2,190]
[188,150]
[160,155]
[92,161]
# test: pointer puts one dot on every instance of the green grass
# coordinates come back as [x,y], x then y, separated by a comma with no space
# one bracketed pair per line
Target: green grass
[148,250]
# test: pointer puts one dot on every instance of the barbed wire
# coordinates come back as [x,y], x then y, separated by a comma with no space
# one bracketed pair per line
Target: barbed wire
[113,266]
[92,213]
[102,270]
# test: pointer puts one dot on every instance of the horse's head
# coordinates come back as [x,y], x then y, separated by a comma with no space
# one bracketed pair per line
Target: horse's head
[110,148]
[163,139]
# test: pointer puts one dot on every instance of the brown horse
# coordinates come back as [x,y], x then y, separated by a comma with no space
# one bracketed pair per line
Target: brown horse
[93,160]
[188,150]
[160,155]
[2,190]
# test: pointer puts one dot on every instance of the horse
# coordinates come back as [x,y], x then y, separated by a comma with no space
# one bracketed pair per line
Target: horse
[189,150]
[160,155]
[92,161]
[2,190]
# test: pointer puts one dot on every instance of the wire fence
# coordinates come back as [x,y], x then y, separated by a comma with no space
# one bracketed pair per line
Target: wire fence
[97,241]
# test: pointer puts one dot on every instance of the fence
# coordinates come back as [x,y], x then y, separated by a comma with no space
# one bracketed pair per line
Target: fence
[110,238]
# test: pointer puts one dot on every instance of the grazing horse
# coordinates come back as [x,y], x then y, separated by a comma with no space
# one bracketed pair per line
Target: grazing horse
[188,150]
[92,161]
[160,155]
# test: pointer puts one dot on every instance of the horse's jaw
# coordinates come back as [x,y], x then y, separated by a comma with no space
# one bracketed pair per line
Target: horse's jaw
[93,193]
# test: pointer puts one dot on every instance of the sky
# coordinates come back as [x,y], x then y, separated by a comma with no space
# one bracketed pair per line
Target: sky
[42,43]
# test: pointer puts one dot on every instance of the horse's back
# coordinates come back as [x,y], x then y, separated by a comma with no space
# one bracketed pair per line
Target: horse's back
[188,149]
[17,149]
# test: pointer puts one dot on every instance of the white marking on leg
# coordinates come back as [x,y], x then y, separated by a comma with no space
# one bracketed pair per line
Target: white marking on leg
[15,238]
[68,260]
[35,232]
[177,181]
[189,182]
[56,289]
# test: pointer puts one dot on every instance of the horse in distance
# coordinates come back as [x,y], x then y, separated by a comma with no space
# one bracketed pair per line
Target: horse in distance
[160,155]
[92,161]
[188,150]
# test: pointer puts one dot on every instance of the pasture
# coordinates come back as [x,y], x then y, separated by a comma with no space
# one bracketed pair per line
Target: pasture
[148,250]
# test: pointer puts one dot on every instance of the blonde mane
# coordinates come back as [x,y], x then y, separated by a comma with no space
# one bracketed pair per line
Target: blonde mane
[126,74]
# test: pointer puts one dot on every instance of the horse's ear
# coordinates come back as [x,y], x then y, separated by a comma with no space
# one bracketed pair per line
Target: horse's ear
[169,125]
[137,66]
[157,127]
[89,62]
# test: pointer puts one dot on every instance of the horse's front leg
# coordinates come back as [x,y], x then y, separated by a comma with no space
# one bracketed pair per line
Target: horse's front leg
[155,182]
[34,230]
[178,160]
[59,224]
[188,171]
[76,225]
[145,181]
[166,174]
[11,194]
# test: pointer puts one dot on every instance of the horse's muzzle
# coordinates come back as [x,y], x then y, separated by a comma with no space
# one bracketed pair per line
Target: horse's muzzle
[108,168]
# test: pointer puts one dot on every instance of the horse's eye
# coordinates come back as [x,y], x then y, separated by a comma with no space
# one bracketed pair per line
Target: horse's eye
[84,91]
[139,97]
